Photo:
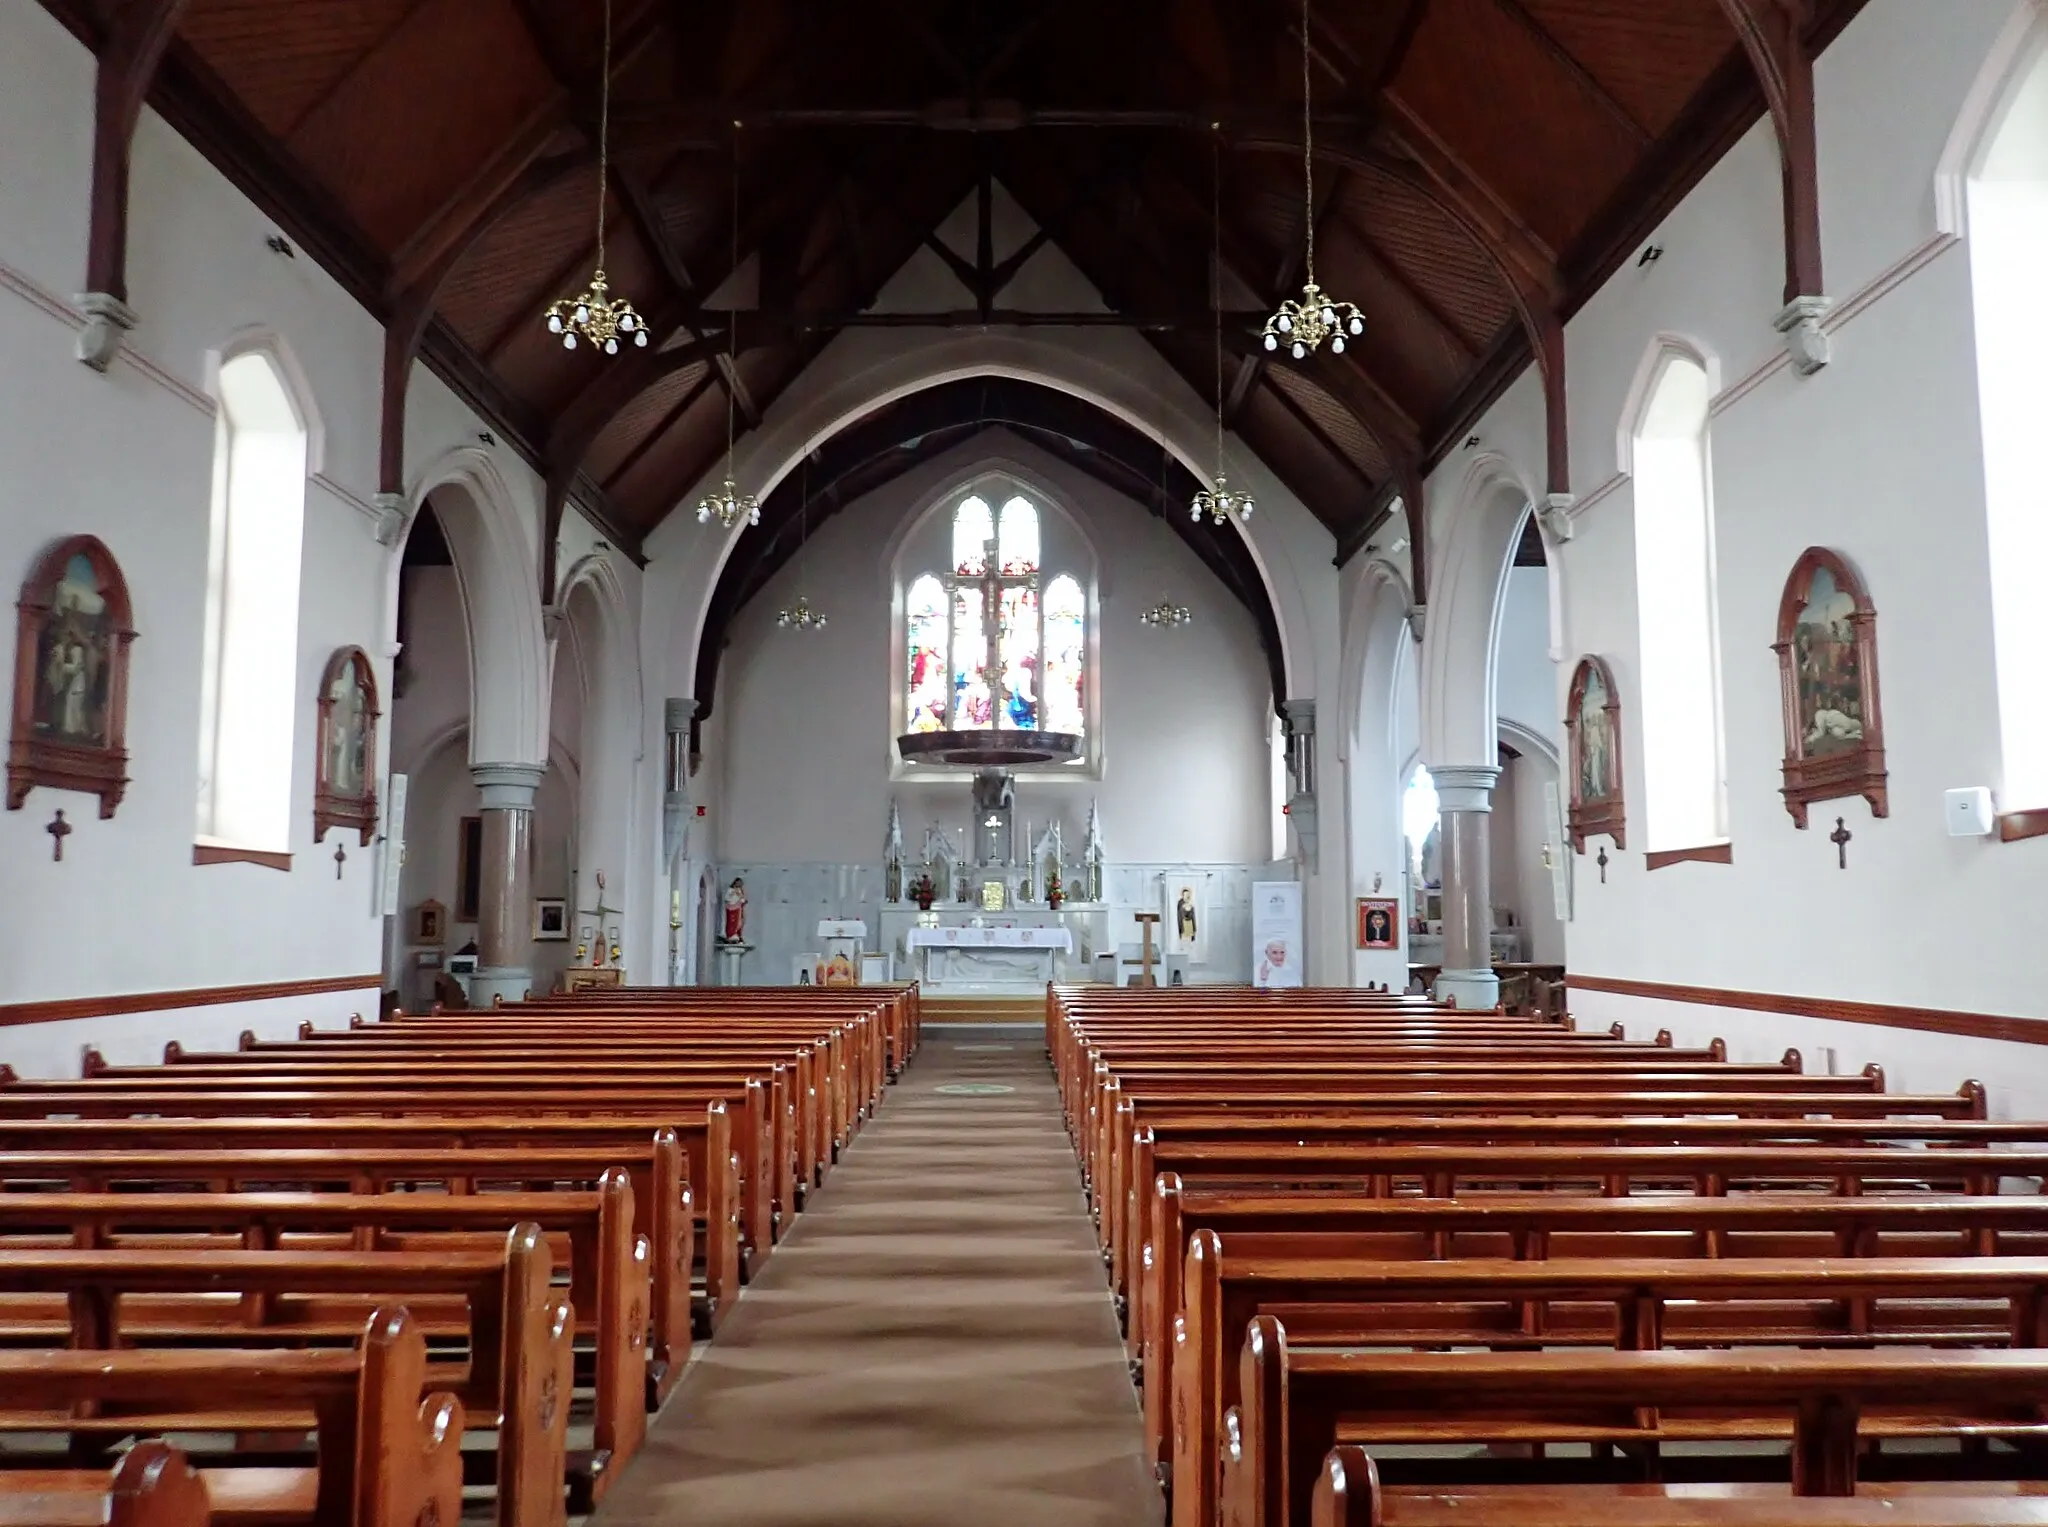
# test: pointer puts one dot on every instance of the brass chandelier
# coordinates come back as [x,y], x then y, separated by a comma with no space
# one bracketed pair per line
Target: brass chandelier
[727,504]
[1167,616]
[1302,324]
[599,318]
[1220,502]
[800,616]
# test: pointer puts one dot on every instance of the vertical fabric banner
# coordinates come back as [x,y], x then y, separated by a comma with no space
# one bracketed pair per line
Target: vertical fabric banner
[1276,934]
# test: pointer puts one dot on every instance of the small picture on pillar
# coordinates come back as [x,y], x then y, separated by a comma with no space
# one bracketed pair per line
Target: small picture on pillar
[430,923]
[469,867]
[550,920]
[1379,923]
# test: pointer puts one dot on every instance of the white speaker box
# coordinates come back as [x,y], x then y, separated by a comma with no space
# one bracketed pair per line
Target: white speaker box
[1969,812]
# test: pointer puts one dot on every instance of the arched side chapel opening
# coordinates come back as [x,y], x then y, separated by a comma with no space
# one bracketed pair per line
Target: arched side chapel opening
[2002,156]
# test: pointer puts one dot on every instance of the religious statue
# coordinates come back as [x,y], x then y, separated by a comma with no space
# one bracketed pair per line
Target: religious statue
[1092,855]
[735,913]
[892,857]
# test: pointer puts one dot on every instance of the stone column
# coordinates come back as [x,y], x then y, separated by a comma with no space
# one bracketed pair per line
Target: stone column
[504,932]
[1465,798]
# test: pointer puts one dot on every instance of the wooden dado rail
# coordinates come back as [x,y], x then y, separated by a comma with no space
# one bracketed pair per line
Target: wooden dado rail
[1926,1020]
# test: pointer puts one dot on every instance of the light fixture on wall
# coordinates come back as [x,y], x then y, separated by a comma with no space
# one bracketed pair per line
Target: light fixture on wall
[599,318]
[800,616]
[727,504]
[1167,616]
[1302,325]
[1220,502]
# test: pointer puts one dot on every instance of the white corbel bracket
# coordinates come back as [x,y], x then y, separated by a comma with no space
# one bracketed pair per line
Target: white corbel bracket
[107,320]
[1805,340]
[388,517]
[1554,515]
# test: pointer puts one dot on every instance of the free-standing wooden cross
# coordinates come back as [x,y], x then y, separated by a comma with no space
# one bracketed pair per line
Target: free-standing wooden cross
[59,830]
[1840,838]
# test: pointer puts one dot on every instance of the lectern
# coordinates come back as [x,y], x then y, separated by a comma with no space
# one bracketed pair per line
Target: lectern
[1146,921]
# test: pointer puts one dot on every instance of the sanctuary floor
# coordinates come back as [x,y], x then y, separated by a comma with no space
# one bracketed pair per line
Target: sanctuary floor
[932,1345]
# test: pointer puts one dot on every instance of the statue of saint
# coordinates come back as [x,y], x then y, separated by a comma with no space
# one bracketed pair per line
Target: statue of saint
[735,913]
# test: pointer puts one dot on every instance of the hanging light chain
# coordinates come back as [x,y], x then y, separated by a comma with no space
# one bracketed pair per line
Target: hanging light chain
[800,616]
[1217,501]
[728,505]
[594,315]
[1303,323]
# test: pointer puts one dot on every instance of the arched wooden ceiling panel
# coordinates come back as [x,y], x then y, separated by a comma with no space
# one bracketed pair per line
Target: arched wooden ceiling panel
[1650,58]
[505,268]
[286,58]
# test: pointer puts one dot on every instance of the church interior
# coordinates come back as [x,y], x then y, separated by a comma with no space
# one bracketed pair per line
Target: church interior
[1243,763]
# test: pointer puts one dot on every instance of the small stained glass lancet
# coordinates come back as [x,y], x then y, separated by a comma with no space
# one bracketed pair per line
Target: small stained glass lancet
[973,528]
[1018,546]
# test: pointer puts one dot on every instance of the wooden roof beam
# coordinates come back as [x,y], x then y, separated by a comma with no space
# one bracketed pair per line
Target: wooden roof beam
[1774,35]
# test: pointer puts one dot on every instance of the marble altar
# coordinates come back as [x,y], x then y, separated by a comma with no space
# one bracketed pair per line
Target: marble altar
[1010,961]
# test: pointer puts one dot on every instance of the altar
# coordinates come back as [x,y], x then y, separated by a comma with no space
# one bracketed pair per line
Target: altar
[1008,961]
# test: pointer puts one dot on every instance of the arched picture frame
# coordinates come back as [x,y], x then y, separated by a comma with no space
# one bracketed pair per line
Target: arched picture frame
[1592,719]
[1827,665]
[73,626]
[345,761]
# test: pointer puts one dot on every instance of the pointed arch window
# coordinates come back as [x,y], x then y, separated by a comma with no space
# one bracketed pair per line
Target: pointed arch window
[249,681]
[1685,790]
[994,644]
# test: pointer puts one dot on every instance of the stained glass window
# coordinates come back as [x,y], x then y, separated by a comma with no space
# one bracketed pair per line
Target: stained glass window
[924,629]
[1018,663]
[1018,547]
[1066,624]
[973,528]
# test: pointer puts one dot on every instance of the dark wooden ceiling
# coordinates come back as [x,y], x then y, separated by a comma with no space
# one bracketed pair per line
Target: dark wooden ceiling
[455,139]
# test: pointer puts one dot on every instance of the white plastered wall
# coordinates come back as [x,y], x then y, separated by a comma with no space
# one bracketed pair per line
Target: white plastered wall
[127,456]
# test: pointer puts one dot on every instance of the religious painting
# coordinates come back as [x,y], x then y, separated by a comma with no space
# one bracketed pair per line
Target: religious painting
[550,920]
[74,624]
[1186,922]
[430,923]
[345,779]
[1827,664]
[1592,719]
[1379,922]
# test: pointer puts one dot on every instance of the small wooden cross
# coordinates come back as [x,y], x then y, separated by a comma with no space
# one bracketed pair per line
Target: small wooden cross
[340,858]
[1601,860]
[59,830]
[1840,838]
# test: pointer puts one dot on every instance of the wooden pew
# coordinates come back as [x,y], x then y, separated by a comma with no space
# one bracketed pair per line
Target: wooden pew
[1532,1226]
[516,1381]
[1349,1494]
[608,1264]
[416,1097]
[1335,1301]
[661,1203]
[388,1451]
[388,1149]
[1298,1404]
[152,1486]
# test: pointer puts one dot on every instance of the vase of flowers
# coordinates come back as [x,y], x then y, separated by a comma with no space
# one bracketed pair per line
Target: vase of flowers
[923,892]
[1054,893]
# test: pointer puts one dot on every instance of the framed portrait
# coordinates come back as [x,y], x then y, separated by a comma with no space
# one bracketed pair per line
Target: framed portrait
[73,625]
[550,920]
[430,923]
[1827,667]
[1592,720]
[345,778]
[469,869]
[1379,922]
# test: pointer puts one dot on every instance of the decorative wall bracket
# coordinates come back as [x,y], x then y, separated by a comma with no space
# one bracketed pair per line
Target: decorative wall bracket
[1805,340]
[1417,616]
[107,322]
[1554,515]
[389,509]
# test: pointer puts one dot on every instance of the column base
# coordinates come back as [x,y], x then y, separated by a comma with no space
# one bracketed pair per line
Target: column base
[491,982]
[1468,989]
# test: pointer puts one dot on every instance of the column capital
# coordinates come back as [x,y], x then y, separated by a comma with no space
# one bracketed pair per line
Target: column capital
[677,712]
[1464,787]
[508,786]
[1300,714]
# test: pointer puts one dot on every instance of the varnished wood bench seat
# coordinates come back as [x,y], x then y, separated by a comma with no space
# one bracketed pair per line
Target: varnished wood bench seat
[1299,1403]
[747,1114]
[1528,1226]
[152,1486]
[714,1194]
[608,1266]
[500,1307]
[388,1452]
[1349,1494]
[1330,1300]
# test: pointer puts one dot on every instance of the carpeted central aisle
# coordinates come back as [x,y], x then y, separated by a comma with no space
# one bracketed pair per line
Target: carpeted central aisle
[932,1345]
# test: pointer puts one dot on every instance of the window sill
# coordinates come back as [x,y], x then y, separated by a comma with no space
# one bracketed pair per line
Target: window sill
[1706,853]
[2016,826]
[221,853]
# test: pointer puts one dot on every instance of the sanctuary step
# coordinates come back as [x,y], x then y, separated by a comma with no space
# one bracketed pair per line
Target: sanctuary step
[982,1009]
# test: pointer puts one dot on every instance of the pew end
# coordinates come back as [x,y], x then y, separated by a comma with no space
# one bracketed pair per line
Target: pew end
[90,1062]
[1876,1074]
[173,1052]
[1663,1041]
[247,1040]
[1348,1490]
[156,1487]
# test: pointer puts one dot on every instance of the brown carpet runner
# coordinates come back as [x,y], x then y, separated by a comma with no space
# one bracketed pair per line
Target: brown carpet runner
[932,1346]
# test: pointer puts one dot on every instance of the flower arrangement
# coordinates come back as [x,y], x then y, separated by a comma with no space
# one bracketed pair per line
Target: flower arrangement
[1054,892]
[923,892]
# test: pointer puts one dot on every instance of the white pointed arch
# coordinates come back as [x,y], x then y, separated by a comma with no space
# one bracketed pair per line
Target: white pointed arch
[1658,355]
[1992,96]
[271,344]
[486,524]
[1462,630]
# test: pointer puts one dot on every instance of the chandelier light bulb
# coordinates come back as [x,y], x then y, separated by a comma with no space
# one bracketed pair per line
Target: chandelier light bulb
[728,506]
[800,617]
[1221,503]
